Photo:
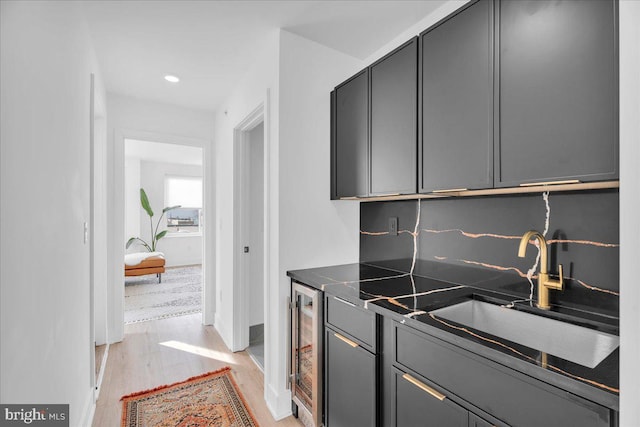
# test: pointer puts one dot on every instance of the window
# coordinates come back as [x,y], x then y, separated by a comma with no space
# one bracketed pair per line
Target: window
[186,192]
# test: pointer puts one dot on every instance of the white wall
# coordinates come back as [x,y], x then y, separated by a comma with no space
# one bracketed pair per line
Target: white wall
[629,207]
[256,225]
[100,220]
[305,228]
[131,199]
[151,121]
[314,231]
[178,250]
[442,12]
[46,59]
[250,93]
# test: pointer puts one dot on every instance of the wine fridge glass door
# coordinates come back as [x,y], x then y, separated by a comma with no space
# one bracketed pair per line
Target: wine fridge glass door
[306,352]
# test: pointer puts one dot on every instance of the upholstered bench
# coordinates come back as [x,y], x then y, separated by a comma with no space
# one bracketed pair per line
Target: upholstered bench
[141,263]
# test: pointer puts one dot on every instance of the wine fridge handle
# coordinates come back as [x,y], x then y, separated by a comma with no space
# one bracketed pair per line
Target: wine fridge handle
[292,340]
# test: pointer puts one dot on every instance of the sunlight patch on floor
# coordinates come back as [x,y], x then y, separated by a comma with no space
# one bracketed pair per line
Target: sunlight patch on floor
[200,351]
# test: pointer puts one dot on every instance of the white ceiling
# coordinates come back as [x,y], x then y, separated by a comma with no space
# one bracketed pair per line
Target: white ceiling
[160,152]
[209,43]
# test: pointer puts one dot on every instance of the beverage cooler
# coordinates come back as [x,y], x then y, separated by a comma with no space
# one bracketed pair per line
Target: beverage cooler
[306,358]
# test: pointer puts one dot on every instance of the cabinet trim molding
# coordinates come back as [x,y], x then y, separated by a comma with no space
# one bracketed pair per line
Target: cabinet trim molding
[538,188]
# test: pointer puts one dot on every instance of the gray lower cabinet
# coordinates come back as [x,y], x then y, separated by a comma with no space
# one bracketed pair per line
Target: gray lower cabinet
[476,421]
[415,406]
[350,383]
[557,97]
[485,387]
[456,62]
[352,322]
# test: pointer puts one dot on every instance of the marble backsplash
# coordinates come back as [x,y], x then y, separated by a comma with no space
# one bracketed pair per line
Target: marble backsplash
[582,230]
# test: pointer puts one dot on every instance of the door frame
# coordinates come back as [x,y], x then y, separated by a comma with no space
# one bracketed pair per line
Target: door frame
[240,331]
[91,236]
[98,233]
[116,279]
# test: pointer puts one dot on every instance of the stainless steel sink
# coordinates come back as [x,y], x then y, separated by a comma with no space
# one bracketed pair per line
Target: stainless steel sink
[584,346]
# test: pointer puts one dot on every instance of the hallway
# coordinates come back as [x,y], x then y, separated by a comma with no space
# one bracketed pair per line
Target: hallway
[166,351]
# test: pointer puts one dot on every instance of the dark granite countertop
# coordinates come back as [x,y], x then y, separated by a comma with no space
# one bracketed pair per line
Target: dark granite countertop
[408,298]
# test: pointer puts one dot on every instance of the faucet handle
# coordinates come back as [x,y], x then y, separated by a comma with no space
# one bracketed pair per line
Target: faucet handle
[557,284]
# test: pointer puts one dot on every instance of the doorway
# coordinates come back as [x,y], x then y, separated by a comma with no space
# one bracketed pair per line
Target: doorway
[164,253]
[97,233]
[254,255]
[117,241]
[251,237]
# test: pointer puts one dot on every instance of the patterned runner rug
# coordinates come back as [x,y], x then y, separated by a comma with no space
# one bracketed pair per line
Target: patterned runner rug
[211,400]
[179,293]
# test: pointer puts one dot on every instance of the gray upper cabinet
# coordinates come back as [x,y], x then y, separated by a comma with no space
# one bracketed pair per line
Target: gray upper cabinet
[394,116]
[456,61]
[350,137]
[557,98]
[374,128]
[501,93]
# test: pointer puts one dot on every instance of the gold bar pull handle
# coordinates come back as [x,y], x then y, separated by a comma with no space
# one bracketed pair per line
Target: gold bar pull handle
[450,190]
[422,386]
[345,339]
[560,182]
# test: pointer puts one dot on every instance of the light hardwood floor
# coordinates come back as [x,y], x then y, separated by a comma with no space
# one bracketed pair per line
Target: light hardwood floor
[170,350]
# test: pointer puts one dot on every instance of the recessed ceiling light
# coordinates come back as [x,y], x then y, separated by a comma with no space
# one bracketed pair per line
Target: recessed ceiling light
[172,79]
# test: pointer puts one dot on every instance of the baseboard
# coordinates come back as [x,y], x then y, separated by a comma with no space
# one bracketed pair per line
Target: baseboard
[279,404]
[103,366]
[221,330]
[255,361]
[88,410]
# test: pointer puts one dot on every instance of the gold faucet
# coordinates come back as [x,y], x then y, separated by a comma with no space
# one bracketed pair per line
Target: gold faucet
[544,282]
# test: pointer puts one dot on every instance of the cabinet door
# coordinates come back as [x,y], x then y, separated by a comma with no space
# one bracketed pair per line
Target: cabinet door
[558,90]
[414,406]
[350,384]
[351,137]
[394,114]
[457,101]
[476,421]
[490,387]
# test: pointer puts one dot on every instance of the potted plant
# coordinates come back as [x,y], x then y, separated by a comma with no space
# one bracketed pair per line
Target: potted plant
[155,235]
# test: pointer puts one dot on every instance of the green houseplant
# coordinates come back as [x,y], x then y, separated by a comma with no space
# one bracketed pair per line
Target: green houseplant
[155,236]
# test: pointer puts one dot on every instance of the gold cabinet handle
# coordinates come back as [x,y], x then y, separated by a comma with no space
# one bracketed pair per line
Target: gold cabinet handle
[387,194]
[422,386]
[560,182]
[347,340]
[450,190]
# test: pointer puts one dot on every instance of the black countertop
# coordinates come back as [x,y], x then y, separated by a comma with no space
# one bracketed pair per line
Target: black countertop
[408,298]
